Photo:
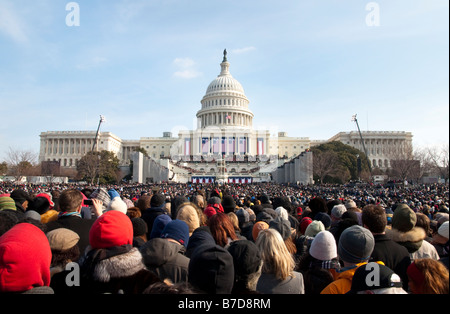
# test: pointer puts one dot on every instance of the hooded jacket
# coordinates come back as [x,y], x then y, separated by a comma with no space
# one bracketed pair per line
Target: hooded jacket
[166,259]
[405,233]
[25,258]
[112,265]
[120,273]
[149,215]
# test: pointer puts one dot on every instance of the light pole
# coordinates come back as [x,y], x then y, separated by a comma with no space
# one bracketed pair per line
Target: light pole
[102,119]
[364,146]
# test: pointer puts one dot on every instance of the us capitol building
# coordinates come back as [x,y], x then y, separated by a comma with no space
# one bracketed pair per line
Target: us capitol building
[223,148]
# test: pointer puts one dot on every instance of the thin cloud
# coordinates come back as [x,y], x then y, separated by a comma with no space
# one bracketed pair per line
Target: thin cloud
[94,62]
[187,74]
[11,25]
[243,50]
[186,68]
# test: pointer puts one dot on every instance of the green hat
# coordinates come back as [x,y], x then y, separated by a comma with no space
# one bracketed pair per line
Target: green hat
[404,218]
[7,202]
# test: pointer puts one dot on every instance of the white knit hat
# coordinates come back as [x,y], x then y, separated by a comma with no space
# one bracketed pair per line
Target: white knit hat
[117,204]
[282,212]
[443,230]
[323,247]
[314,228]
[338,210]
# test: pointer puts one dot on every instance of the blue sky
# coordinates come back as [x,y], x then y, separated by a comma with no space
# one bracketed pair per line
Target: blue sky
[306,66]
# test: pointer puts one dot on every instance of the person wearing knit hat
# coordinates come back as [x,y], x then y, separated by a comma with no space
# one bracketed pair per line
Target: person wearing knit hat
[118,204]
[39,204]
[314,228]
[441,242]
[323,247]
[25,258]
[21,198]
[176,230]
[304,223]
[139,231]
[7,202]
[336,217]
[337,211]
[405,232]
[304,236]
[158,226]
[165,255]
[101,194]
[157,208]
[282,226]
[214,206]
[325,219]
[112,264]
[282,212]
[32,214]
[355,247]
[257,227]
[245,223]
[228,204]
[110,230]
[50,214]
[443,230]
[320,264]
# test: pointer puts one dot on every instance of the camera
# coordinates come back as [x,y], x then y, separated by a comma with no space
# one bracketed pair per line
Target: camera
[88,202]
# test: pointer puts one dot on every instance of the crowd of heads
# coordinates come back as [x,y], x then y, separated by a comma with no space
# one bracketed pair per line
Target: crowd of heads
[222,239]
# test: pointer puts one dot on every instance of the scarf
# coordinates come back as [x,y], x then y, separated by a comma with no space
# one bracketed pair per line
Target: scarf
[329,264]
[67,214]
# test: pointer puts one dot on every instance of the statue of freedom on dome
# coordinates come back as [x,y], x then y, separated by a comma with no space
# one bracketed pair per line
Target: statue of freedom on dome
[225,55]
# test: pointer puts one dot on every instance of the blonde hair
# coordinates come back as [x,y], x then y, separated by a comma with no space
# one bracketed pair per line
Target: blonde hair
[234,220]
[275,256]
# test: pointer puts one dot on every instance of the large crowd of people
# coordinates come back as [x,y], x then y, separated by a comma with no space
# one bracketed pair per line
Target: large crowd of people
[259,238]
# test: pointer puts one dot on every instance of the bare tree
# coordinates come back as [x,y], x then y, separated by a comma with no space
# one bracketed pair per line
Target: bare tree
[325,164]
[423,167]
[20,163]
[403,163]
[439,160]
[50,169]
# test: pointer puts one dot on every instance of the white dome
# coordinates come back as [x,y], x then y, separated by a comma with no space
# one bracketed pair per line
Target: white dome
[225,83]
[225,103]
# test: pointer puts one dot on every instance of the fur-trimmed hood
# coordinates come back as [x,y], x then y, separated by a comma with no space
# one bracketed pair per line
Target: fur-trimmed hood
[119,266]
[411,239]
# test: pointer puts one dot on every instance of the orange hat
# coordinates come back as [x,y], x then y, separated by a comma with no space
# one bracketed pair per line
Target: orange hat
[257,227]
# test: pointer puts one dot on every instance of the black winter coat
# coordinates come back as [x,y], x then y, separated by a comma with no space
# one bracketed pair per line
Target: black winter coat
[78,225]
[393,255]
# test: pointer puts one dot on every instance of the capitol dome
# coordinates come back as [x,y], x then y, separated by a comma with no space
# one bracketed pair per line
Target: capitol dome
[225,103]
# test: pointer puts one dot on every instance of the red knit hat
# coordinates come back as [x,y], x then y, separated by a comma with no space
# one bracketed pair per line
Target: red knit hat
[304,223]
[25,258]
[113,228]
